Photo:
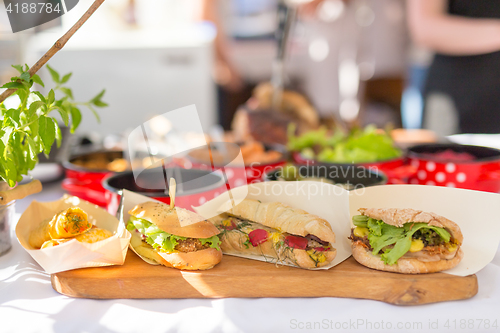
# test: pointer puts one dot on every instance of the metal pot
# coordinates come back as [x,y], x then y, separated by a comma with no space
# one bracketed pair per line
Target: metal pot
[239,175]
[86,183]
[482,173]
[194,187]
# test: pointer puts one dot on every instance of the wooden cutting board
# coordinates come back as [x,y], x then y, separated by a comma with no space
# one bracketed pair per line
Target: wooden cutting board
[239,277]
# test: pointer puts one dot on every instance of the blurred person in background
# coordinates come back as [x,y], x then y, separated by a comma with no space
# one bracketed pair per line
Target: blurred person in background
[462,92]
[363,39]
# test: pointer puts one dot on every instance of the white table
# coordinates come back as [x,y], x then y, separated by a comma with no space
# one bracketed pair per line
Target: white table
[29,304]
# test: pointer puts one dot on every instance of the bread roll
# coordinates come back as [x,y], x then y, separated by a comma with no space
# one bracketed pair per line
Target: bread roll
[171,221]
[282,217]
[398,217]
[404,265]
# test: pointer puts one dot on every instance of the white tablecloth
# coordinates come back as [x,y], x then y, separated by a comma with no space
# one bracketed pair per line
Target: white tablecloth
[29,304]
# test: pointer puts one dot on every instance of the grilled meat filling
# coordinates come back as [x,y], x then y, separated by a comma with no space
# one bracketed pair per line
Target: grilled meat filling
[186,245]
[190,245]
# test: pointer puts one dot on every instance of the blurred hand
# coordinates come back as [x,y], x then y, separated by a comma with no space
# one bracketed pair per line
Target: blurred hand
[309,10]
[227,76]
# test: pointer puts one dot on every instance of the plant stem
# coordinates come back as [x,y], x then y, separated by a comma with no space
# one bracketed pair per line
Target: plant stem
[57,46]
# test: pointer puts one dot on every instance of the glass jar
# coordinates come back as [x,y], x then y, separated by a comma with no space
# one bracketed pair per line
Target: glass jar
[6,217]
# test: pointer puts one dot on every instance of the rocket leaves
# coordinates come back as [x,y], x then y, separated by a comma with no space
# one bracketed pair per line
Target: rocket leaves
[31,128]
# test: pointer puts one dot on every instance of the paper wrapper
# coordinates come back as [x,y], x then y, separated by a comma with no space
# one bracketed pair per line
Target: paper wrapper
[327,201]
[73,254]
[476,213]
[128,201]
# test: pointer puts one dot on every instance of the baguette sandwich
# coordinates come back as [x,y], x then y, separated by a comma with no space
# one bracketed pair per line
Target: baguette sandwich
[276,232]
[158,235]
[405,240]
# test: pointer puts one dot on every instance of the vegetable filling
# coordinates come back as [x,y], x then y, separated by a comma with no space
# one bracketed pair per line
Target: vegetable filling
[255,234]
[391,242]
[165,242]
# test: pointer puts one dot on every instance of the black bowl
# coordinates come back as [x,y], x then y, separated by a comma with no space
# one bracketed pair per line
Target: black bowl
[353,175]
[151,182]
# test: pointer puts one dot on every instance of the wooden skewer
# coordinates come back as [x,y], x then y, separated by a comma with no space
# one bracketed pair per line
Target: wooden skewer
[57,46]
[171,192]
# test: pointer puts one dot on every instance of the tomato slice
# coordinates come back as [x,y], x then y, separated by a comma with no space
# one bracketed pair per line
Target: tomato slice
[321,249]
[296,242]
[229,227]
[258,236]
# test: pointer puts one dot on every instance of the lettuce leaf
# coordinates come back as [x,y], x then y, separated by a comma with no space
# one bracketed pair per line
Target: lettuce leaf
[161,239]
[382,235]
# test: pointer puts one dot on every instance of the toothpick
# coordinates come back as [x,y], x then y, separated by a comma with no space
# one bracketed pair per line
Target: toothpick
[171,192]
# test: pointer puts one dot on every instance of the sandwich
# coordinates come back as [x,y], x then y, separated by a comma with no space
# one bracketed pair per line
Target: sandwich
[157,235]
[405,240]
[276,233]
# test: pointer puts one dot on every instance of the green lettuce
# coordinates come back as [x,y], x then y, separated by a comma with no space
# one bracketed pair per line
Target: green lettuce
[161,239]
[382,235]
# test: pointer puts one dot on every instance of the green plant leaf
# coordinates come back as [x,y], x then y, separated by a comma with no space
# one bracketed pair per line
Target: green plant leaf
[51,97]
[5,136]
[35,78]
[32,147]
[47,132]
[95,113]
[68,92]
[25,76]
[97,100]
[34,127]
[58,136]
[54,74]
[23,95]
[76,118]
[14,116]
[66,78]
[12,85]
[64,115]
[23,119]
[19,68]
[10,170]
[39,94]
[34,107]
[100,104]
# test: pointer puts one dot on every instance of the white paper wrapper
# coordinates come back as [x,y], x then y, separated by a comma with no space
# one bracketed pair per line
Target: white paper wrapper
[129,201]
[73,254]
[476,213]
[327,201]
